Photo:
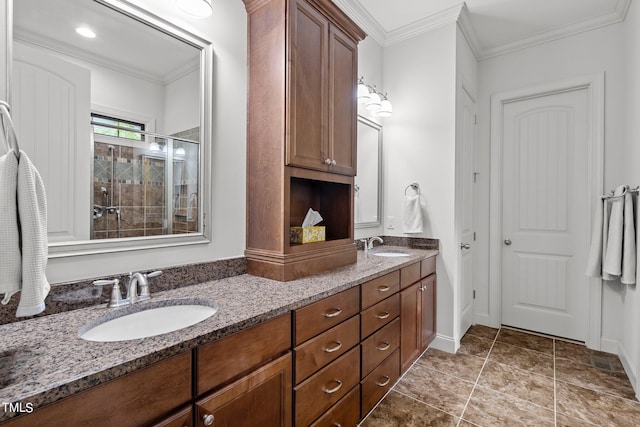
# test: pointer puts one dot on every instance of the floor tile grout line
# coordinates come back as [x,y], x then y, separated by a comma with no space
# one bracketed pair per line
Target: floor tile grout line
[426,404]
[486,359]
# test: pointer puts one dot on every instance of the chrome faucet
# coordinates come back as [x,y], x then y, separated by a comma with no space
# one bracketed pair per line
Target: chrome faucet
[137,281]
[368,243]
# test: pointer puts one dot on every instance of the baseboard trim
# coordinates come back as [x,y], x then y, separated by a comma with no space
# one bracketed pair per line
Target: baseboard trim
[445,343]
[486,320]
[628,369]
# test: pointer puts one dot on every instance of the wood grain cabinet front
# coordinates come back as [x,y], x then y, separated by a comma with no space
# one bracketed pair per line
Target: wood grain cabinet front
[262,398]
[379,315]
[139,398]
[379,381]
[379,346]
[323,389]
[345,413]
[182,418]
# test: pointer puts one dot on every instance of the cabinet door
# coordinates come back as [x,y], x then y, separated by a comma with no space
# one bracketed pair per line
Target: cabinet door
[410,319]
[428,310]
[343,69]
[262,398]
[308,53]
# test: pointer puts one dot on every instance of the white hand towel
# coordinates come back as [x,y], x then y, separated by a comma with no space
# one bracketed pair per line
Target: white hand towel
[32,211]
[10,258]
[629,242]
[612,263]
[605,237]
[412,214]
[594,260]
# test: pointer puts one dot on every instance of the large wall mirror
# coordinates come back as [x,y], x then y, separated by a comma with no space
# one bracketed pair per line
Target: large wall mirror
[368,181]
[113,106]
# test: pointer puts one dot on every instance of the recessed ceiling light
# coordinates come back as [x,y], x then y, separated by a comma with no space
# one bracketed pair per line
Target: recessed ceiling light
[197,8]
[86,32]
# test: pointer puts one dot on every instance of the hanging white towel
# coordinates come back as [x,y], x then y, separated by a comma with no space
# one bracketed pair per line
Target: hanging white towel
[412,214]
[10,257]
[32,214]
[629,259]
[612,263]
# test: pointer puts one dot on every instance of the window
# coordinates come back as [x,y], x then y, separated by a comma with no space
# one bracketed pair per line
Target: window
[111,126]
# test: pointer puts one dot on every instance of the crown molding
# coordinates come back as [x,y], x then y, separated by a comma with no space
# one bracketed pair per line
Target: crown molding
[616,16]
[461,15]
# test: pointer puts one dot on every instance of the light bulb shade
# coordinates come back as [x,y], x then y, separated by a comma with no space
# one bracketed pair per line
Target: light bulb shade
[197,8]
[180,151]
[363,92]
[385,108]
[374,102]
[154,146]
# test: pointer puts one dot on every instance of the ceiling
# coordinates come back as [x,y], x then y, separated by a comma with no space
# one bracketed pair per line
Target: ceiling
[492,27]
[122,43]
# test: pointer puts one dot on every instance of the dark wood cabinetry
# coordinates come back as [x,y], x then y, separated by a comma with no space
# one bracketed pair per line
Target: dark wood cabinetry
[301,134]
[418,314]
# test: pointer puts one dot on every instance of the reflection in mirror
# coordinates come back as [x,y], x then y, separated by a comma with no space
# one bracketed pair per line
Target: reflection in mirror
[104,80]
[368,181]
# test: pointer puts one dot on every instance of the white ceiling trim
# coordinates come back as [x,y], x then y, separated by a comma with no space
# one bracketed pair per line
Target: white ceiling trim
[616,16]
[368,23]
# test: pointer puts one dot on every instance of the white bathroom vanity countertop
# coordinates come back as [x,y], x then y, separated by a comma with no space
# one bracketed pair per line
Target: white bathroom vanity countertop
[43,360]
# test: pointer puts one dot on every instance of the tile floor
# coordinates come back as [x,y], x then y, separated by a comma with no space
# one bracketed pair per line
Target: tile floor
[510,378]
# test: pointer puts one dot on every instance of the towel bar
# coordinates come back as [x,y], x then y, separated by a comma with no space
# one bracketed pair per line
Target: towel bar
[414,186]
[6,126]
[610,196]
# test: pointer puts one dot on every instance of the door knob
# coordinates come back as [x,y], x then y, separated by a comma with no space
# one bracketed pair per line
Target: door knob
[465,246]
[507,242]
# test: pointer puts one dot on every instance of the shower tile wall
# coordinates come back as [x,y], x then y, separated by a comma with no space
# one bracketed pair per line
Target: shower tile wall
[185,219]
[138,189]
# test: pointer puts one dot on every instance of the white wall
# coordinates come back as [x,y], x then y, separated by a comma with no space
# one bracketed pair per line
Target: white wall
[630,340]
[226,28]
[419,145]
[181,103]
[587,53]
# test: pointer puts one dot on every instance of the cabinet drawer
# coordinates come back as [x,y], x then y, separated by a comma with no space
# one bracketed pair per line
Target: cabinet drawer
[428,266]
[379,346]
[324,314]
[261,398]
[326,387]
[222,360]
[409,275]
[326,347]
[379,315]
[378,382]
[378,289]
[345,413]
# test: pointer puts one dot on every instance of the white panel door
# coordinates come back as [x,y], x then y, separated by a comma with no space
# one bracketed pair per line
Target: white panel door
[51,110]
[545,197]
[467,147]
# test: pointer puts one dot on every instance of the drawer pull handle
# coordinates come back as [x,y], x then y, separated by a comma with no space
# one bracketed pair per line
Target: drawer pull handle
[383,315]
[336,347]
[383,288]
[332,390]
[384,347]
[385,381]
[207,419]
[334,313]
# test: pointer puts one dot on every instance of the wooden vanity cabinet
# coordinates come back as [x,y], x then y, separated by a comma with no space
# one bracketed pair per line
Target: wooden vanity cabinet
[301,134]
[261,398]
[418,314]
[323,63]
[140,398]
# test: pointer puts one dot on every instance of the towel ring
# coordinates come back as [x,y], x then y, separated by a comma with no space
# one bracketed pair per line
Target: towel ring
[414,186]
[627,189]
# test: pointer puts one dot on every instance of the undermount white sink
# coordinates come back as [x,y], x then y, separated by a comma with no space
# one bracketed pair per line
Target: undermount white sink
[390,254]
[148,322]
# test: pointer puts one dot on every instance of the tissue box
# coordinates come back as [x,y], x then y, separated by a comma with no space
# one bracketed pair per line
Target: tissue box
[307,234]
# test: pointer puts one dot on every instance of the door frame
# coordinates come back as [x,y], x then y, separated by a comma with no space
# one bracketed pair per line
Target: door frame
[594,84]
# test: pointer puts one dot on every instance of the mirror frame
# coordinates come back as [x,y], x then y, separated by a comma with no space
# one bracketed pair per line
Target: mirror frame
[88,247]
[378,127]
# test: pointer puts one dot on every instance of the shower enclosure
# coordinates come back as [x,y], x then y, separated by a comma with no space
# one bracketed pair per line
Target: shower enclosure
[144,184]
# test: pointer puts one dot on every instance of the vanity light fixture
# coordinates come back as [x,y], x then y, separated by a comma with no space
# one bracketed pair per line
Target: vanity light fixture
[363,90]
[197,8]
[373,100]
[386,108]
[86,32]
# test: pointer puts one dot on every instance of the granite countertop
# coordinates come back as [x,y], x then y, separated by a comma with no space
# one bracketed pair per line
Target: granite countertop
[43,360]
